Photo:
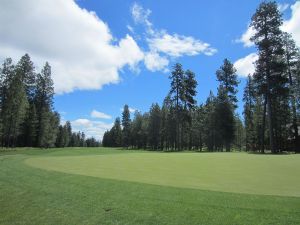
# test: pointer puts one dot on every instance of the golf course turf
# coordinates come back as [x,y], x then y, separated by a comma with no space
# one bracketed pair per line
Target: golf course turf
[110,186]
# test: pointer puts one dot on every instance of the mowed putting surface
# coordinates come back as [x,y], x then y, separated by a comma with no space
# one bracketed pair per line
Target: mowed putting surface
[225,172]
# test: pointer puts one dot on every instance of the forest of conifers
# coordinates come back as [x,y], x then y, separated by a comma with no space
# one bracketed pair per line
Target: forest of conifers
[271,103]
[27,118]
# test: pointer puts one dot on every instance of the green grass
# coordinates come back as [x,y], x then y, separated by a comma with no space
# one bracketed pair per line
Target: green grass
[71,186]
[240,173]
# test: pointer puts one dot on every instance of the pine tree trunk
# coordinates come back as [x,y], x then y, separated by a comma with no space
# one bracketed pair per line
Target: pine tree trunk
[294,111]
[227,147]
[273,144]
[263,127]
[271,128]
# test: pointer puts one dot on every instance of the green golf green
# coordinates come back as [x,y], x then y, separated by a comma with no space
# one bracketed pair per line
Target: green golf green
[233,172]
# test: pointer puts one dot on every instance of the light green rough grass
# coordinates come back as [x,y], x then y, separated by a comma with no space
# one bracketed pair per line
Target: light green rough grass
[238,172]
[32,196]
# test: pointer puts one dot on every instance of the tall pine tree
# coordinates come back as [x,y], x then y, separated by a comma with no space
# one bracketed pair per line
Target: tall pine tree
[126,122]
[270,67]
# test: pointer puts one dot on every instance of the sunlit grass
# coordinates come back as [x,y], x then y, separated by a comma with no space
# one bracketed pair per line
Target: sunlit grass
[31,195]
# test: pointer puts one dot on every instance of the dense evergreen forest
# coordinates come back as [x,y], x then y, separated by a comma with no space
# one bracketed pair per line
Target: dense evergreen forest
[27,117]
[271,103]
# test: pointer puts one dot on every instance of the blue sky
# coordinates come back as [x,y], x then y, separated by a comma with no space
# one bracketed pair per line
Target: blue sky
[105,54]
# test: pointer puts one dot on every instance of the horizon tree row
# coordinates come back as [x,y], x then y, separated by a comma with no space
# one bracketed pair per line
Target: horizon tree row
[27,117]
[182,124]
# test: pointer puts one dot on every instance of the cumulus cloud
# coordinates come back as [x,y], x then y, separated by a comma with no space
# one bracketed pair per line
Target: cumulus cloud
[245,39]
[291,25]
[76,42]
[179,45]
[245,66]
[100,115]
[91,128]
[132,110]
[163,46]
[141,15]
[155,62]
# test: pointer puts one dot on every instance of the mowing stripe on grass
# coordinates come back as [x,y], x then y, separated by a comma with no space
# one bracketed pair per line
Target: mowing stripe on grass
[227,172]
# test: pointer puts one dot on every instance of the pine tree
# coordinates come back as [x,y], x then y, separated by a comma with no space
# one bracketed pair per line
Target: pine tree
[225,119]
[169,130]
[116,134]
[60,137]
[190,85]
[144,130]
[239,135]
[6,76]
[14,110]
[92,142]
[74,140]
[44,101]
[45,89]
[227,77]
[49,124]
[105,139]
[126,122]
[177,96]
[67,134]
[25,69]
[197,128]
[249,114]
[210,129]
[136,130]
[82,139]
[292,57]
[154,126]
[259,122]
[269,76]
[30,127]
[7,73]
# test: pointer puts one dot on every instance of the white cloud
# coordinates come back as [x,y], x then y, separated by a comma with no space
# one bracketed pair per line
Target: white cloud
[91,128]
[155,62]
[245,39]
[179,45]
[291,25]
[76,42]
[132,110]
[141,16]
[163,46]
[245,66]
[100,115]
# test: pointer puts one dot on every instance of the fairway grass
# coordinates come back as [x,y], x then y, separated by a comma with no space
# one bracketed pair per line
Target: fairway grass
[233,172]
[43,187]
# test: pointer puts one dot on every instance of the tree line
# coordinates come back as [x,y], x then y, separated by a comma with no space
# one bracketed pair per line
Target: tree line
[27,117]
[182,124]
[271,103]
